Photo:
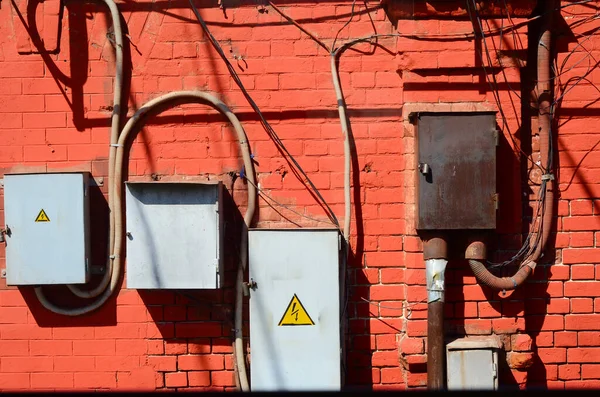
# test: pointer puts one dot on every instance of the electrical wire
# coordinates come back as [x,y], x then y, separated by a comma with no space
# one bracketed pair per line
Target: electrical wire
[267,197]
[297,169]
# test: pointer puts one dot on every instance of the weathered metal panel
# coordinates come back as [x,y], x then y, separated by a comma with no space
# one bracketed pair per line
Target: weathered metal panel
[456,170]
[174,235]
[472,364]
[48,219]
[288,263]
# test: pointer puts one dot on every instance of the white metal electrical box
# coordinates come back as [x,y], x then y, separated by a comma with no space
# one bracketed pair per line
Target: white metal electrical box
[294,309]
[472,363]
[47,221]
[174,235]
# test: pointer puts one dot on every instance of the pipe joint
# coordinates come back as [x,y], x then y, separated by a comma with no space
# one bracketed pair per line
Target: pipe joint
[435,270]
[435,248]
[476,250]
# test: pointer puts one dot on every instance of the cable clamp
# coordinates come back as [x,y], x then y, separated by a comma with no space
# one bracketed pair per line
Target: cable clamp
[548,177]
[115,145]
[514,282]
[112,257]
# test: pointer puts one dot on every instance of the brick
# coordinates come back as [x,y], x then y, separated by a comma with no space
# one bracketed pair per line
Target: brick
[222,378]
[583,355]
[508,325]
[196,330]
[579,384]
[521,342]
[117,363]
[581,255]
[582,272]
[565,339]
[385,359]
[162,363]
[52,380]
[176,379]
[386,292]
[582,288]
[97,347]
[51,347]
[392,275]
[384,259]
[520,360]
[569,372]
[26,364]
[590,371]
[581,223]
[392,376]
[74,364]
[199,378]
[15,381]
[200,362]
[95,380]
[582,305]
[588,338]
[555,355]
[138,379]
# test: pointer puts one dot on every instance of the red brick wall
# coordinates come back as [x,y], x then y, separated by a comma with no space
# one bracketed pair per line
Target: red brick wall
[55,108]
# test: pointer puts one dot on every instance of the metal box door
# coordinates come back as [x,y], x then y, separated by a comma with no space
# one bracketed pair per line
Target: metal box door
[48,216]
[174,235]
[294,309]
[472,369]
[456,170]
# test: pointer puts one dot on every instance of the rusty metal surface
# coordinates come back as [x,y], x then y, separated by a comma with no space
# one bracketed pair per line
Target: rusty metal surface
[456,170]
[409,9]
[436,350]
[476,250]
[435,248]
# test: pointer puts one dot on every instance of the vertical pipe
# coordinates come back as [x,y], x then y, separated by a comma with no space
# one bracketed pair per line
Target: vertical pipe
[435,252]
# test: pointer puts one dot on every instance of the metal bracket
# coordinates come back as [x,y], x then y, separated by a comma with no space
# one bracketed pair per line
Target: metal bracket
[3,273]
[4,231]
[424,168]
[249,286]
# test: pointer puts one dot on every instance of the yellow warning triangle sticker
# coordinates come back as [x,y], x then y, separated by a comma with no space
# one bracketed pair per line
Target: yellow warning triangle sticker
[295,314]
[42,217]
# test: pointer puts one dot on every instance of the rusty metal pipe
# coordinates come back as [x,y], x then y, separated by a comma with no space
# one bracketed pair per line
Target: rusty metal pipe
[435,252]
[544,93]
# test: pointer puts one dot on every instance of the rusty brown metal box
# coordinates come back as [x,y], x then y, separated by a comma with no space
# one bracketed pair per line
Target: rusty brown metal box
[456,170]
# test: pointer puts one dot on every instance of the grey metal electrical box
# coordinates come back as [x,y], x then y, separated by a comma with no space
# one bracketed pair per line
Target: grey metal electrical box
[456,170]
[294,309]
[174,235]
[472,363]
[47,218]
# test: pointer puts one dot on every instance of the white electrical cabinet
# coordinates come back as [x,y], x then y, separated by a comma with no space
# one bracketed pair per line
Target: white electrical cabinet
[174,235]
[472,363]
[294,309]
[47,222]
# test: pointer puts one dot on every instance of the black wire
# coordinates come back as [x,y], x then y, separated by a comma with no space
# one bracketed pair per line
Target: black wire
[346,24]
[528,247]
[264,122]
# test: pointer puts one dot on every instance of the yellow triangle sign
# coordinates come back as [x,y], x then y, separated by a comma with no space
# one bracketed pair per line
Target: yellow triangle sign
[295,314]
[42,217]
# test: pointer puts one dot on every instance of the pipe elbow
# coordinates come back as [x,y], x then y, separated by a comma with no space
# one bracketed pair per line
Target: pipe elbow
[483,275]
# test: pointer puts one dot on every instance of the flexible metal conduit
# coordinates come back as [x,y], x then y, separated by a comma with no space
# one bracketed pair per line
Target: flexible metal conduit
[114,136]
[134,124]
[544,93]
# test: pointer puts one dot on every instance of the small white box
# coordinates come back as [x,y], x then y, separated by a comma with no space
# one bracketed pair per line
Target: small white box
[174,235]
[47,217]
